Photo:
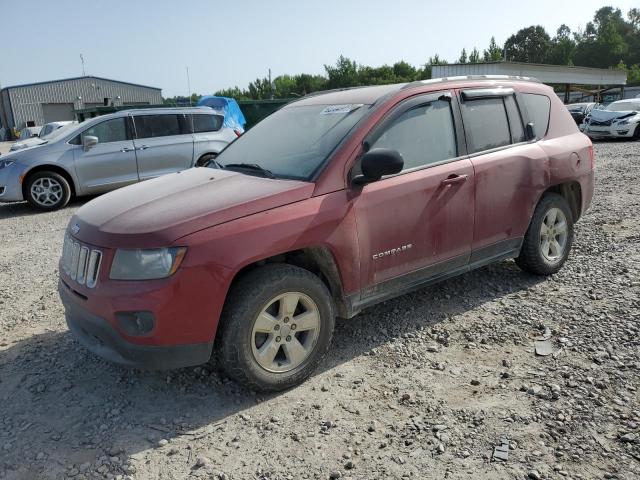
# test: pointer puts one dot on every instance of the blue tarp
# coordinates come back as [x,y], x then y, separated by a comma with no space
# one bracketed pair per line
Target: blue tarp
[233,116]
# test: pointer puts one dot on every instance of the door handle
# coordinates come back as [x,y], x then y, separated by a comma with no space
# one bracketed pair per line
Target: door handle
[454,179]
[142,147]
[127,149]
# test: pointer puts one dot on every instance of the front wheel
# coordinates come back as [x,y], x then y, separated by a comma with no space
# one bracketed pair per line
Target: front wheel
[275,328]
[47,190]
[549,238]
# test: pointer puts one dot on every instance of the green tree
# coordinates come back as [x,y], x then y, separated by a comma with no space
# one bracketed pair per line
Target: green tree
[493,53]
[404,72]
[343,74]
[529,45]
[463,56]
[563,47]
[474,56]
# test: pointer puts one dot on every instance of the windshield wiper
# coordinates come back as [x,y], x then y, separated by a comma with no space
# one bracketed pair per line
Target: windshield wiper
[249,166]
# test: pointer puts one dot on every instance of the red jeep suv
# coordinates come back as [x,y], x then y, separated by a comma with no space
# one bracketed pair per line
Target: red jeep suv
[334,203]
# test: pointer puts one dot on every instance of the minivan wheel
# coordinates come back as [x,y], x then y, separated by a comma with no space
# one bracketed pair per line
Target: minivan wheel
[204,159]
[47,190]
[549,238]
[275,328]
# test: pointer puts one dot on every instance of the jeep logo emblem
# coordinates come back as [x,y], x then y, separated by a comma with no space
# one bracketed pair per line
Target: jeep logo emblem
[75,229]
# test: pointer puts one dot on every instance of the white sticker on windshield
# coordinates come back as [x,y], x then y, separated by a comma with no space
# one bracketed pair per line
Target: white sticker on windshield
[340,108]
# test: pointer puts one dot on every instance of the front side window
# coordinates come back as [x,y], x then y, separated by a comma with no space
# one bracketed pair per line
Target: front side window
[295,141]
[538,108]
[114,130]
[485,124]
[423,135]
[151,126]
[207,123]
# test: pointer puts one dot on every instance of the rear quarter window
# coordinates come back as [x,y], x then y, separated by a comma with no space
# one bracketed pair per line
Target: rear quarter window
[538,108]
[206,123]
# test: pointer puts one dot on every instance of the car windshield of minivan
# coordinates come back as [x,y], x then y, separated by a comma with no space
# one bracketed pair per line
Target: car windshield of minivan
[293,142]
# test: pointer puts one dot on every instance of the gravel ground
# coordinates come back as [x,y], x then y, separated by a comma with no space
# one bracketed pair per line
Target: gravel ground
[423,386]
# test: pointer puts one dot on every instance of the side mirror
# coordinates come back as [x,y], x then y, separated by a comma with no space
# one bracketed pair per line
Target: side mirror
[377,163]
[529,131]
[88,142]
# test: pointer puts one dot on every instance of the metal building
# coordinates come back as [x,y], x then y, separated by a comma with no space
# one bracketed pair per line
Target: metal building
[572,78]
[38,103]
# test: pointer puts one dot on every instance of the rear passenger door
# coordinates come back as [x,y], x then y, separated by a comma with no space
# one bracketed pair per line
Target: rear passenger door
[509,170]
[164,144]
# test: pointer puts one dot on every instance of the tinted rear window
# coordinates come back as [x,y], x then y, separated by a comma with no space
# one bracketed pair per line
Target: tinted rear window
[538,107]
[485,124]
[149,126]
[206,123]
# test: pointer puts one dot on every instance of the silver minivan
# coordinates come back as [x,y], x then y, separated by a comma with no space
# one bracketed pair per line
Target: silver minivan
[111,151]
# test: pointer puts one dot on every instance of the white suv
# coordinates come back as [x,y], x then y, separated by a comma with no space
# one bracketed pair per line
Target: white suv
[111,151]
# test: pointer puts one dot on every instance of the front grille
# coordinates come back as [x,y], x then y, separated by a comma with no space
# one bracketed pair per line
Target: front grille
[80,262]
[597,123]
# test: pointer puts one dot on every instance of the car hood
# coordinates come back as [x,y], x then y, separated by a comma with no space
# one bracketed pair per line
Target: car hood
[29,142]
[605,115]
[157,212]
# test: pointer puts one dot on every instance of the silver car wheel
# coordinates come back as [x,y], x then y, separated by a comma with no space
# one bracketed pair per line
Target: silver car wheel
[285,332]
[553,235]
[46,191]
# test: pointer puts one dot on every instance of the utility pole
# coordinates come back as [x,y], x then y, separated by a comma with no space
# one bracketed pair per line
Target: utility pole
[82,61]
[188,86]
[270,85]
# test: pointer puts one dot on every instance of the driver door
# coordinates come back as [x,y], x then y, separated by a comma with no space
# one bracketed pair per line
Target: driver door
[417,224]
[109,164]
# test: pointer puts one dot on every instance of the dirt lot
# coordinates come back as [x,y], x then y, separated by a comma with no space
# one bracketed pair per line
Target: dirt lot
[424,386]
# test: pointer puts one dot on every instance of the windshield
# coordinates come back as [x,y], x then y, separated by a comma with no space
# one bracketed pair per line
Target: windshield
[623,106]
[295,141]
[578,106]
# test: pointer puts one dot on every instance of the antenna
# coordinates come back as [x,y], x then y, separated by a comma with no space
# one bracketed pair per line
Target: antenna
[188,86]
[82,60]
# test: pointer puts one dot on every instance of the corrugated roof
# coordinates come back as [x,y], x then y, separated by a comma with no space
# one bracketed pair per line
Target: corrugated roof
[79,78]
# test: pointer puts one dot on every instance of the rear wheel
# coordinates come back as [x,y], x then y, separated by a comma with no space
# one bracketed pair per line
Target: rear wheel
[205,159]
[549,238]
[636,132]
[276,327]
[47,190]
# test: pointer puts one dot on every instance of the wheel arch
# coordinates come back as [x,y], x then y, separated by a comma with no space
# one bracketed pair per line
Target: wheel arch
[318,260]
[572,193]
[47,167]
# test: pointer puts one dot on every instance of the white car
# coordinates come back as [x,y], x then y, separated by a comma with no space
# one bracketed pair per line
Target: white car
[619,119]
[45,133]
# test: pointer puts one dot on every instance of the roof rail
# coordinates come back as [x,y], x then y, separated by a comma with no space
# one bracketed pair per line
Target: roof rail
[470,77]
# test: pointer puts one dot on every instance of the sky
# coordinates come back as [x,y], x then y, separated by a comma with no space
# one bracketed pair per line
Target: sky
[225,44]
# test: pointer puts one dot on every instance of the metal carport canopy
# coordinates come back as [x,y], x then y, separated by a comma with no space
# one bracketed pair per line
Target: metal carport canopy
[553,74]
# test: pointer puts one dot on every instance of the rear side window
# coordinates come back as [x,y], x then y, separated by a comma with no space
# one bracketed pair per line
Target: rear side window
[206,123]
[151,126]
[423,135]
[538,107]
[485,124]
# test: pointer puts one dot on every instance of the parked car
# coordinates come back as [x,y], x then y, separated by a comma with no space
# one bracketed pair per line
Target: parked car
[580,110]
[29,132]
[47,130]
[111,151]
[333,203]
[620,119]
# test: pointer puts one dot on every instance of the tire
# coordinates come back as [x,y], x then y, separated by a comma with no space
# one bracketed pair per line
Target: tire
[204,159]
[542,258]
[241,339]
[636,133]
[47,190]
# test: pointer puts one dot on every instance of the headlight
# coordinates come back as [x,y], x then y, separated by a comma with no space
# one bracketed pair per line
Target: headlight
[623,122]
[146,264]
[5,163]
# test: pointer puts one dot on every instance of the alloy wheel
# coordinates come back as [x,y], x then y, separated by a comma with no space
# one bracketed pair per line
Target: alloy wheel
[46,191]
[285,332]
[553,235]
